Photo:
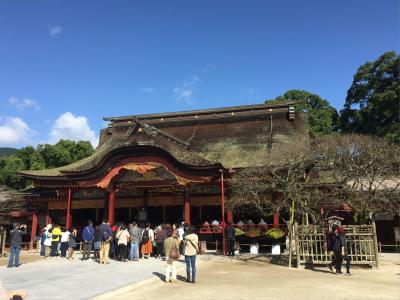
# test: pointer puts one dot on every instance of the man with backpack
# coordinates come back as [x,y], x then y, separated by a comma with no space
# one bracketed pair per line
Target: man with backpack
[15,244]
[106,236]
[87,237]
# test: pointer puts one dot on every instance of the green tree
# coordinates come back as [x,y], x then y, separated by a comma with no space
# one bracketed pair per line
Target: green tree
[9,166]
[37,161]
[322,117]
[44,156]
[25,154]
[373,100]
[82,150]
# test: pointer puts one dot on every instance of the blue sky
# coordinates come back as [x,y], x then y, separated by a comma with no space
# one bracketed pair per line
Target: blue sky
[66,64]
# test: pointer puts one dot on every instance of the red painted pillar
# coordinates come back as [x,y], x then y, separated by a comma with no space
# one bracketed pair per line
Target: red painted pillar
[68,219]
[111,207]
[223,212]
[276,220]
[229,216]
[33,230]
[187,205]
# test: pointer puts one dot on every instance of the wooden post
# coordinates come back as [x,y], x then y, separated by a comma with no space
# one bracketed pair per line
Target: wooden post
[291,233]
[375,244]
[187,204]
[297,237]
[3,242]
[33,229]
[111,207]
[68,219]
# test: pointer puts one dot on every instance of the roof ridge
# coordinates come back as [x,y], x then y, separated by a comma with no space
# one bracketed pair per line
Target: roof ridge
[202,111]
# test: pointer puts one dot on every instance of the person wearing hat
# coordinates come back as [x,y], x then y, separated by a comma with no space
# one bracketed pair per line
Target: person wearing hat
[340,250]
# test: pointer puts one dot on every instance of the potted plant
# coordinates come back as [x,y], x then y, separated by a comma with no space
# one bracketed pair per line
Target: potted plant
[253,233]
[276,235]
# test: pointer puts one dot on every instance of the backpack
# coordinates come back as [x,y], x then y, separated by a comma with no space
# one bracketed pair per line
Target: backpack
[145,237]
[105,236]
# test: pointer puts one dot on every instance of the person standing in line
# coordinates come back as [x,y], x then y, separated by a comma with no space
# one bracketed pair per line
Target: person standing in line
[191,249]
[72,242]
[55,239]
[123,238]
[87,237]
[106,236]
[96,242]
[171,250]
[147,241]
[230,238]
[15,244]
[161,236]
[113,252]
[47,241]
[64,242]
[42,239]
[135,237]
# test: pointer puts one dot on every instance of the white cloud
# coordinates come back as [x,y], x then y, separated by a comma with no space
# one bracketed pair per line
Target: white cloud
[14,132]
[22,104]
[71,127]
[54,30]
[184,92]
[148,90]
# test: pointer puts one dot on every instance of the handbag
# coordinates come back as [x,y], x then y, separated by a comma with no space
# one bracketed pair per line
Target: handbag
[174,253]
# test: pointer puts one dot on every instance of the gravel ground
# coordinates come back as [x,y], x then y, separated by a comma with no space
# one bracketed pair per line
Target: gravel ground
[258,279]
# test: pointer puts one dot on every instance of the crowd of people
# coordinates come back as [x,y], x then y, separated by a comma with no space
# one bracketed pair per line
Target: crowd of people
[130,242]
[125,242]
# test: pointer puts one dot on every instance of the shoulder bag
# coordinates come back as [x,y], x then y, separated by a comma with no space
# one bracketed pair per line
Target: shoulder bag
[174,253]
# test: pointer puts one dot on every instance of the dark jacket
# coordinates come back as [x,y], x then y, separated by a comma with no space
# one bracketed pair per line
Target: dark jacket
[72,240]
[161,236]
[136,235]
[97,235]
[16,236]
[230,233]
[105,228]
[88,233]
[340,242]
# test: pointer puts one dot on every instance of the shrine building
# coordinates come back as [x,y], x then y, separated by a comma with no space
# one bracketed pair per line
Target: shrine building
[164,167]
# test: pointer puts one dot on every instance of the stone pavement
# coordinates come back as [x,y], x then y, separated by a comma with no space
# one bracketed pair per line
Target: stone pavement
[57,278]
